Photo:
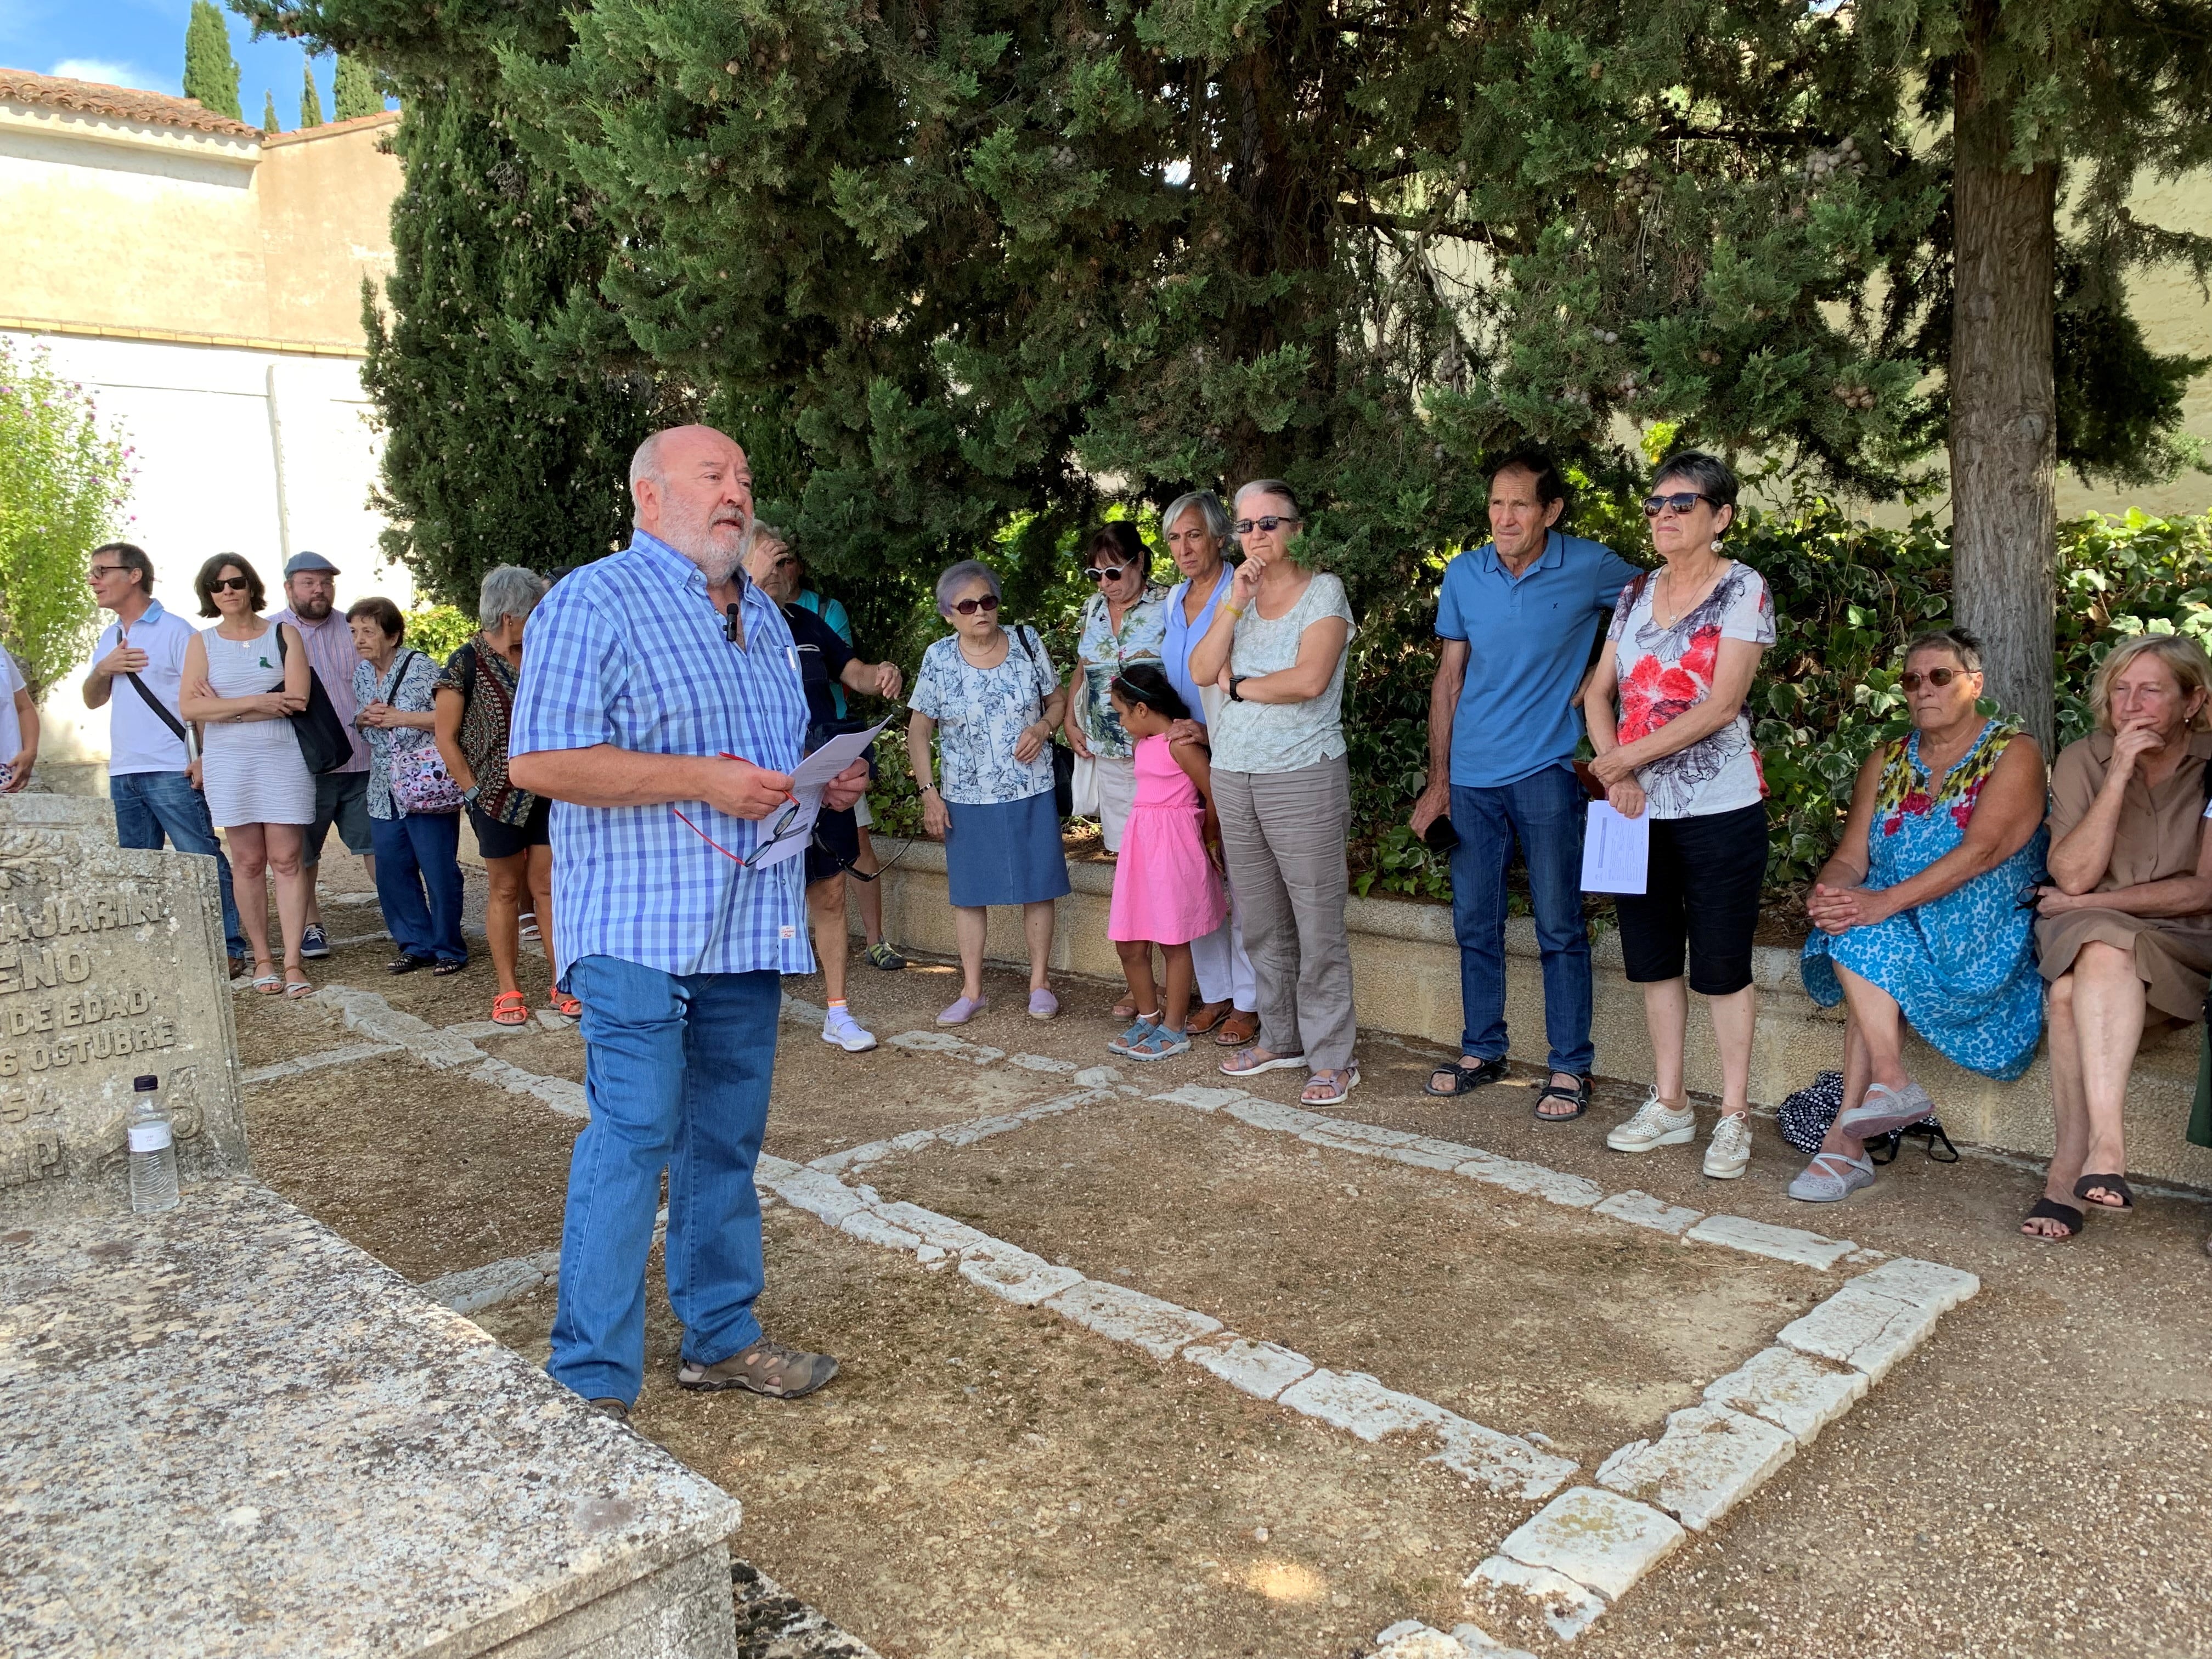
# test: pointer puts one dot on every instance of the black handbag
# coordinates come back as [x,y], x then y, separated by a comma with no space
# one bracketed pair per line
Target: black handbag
[1063,758]
[324,743]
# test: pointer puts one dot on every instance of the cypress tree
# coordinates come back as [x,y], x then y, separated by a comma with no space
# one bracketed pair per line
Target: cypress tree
[211,72]
[311,100]
[497,449]
[268,113]
[353,90]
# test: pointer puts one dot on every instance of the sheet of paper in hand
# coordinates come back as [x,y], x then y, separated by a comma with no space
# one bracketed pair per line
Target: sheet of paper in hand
[791,829]
[1616,850]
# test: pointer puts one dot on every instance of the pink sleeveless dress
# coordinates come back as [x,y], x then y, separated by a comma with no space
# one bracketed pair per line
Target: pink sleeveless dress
[1165,888]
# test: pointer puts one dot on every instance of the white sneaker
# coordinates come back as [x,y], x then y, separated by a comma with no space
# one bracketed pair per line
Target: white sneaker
[838,1026]
[1654,1124]
[1729,1149]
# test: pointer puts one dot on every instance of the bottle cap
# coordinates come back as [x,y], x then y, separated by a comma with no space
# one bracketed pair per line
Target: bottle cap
[147,1084]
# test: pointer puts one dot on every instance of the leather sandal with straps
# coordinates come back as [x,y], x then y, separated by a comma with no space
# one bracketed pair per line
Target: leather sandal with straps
[1577,1097]
[1463,1080]
[510,1008]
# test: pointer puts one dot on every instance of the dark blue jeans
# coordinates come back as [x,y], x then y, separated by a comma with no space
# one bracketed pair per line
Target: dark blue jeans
[677,1069]
[1545,813]
[417,852]
[150,805]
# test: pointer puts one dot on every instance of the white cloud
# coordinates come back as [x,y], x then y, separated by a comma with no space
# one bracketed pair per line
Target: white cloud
[109,72]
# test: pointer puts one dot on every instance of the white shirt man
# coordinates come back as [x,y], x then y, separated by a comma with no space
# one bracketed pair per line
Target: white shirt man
[153,781]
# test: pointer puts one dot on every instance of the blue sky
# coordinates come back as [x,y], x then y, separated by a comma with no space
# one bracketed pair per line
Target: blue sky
[141,43]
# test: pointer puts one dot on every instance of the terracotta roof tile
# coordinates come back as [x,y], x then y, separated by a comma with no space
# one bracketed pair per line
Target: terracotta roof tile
[125,103]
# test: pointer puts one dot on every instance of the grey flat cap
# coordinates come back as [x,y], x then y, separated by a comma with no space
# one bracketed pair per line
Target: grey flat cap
[299,561]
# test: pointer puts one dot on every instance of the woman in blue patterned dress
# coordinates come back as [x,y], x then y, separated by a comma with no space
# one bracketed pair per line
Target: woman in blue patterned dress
[1919,915]
[992,697]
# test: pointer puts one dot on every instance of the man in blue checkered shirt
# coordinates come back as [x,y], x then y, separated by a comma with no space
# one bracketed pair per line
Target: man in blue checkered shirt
[661,710]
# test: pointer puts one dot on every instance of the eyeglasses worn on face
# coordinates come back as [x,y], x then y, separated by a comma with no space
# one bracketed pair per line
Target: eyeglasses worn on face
[1268,526]
[1938,677]
[229,584]
[988,602]
[1106,573]
[1679,502]
[100,570]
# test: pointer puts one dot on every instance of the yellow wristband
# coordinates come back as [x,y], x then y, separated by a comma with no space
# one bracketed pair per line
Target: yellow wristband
[1233,609]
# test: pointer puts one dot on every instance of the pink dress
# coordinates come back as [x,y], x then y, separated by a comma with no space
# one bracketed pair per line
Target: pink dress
[1165,888]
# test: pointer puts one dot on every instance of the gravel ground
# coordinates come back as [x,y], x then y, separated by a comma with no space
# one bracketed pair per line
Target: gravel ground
[2033,1481]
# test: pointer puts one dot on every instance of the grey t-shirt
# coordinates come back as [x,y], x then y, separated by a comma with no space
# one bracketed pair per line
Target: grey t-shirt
[1283,736]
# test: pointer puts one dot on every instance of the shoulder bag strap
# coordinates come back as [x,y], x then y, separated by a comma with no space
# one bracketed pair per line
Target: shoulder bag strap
[167,719]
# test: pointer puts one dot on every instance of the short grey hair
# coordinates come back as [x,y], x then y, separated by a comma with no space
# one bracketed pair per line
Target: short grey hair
[644,461]
[1962,643]
[1209,508]
[1273,487]
[508,591]
[1708,474]
[958,576]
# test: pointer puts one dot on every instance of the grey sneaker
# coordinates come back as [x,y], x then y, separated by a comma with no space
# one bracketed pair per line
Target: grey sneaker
[617,1409]
[1654,1124]
[767,1367]
[1729,1150]
[314,943]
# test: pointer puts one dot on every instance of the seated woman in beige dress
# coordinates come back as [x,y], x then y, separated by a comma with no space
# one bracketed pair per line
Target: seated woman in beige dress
[2123,929]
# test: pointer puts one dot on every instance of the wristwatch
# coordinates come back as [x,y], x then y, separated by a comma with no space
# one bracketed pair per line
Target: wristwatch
[1236,680]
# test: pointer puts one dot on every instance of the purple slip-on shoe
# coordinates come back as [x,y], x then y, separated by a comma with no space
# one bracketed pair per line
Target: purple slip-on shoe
[962,1011]
[1043,1005]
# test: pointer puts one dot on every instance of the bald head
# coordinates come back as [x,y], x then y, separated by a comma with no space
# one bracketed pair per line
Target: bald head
[694,491]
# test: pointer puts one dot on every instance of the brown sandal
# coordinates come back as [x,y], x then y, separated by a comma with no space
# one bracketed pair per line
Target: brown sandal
[1240,1031]
[768,1368]
[1206,1016]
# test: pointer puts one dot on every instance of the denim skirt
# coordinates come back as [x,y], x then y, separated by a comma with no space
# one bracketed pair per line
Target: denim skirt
[1009,854]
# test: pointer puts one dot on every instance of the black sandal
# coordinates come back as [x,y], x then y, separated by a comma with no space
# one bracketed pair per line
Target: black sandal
[2111,1183]
[2049,1209]
[1580,1095]
[404,963]
[448,970]
[1465,1078]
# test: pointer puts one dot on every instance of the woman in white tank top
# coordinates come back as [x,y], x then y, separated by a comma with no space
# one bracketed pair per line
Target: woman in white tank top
[241,681]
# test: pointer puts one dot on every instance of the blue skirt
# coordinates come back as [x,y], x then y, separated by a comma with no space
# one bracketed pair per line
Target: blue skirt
[1009,854]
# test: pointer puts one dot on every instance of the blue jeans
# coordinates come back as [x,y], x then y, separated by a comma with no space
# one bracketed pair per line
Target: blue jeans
[415,852]
[1545,813]
[148,805]
[676,1070]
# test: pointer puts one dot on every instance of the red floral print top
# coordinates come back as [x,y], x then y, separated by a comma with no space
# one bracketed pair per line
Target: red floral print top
[1666,671]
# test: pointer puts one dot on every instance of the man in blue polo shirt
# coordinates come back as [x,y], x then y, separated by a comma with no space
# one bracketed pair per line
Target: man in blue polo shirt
[1517,618]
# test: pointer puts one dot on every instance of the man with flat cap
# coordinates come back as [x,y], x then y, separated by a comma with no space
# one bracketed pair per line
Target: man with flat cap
[311,584]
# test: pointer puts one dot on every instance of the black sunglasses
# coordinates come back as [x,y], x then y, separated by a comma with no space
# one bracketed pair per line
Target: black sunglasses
[1935,677]
[1106,573]
[1681,502]
[969,607]
[1269,525]
[229,584]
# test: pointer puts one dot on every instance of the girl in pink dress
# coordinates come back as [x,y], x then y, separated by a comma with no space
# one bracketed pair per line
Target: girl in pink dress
[1167,889]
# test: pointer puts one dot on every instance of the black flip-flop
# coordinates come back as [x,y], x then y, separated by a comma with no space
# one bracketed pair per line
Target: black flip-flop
[2049,1209]
[1580,1095]
[1465,1078]
[2111,1183]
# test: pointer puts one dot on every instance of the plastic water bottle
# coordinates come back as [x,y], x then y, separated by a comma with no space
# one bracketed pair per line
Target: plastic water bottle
[153,1143]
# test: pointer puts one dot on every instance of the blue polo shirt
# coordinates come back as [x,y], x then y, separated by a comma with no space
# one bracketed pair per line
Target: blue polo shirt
[1528,642]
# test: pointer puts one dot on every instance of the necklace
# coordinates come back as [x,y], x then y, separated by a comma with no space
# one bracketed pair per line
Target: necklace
[1702,585]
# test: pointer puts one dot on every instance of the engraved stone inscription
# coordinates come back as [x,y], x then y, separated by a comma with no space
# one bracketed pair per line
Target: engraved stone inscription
[112,964]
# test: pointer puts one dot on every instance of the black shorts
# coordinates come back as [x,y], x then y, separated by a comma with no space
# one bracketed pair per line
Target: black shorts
[837,843]
[1702,892]
[495,840]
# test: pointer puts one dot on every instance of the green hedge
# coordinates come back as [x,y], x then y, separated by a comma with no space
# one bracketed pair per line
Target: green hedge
[1847,595]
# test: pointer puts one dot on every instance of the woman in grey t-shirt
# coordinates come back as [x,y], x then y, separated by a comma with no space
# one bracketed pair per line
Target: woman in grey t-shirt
[1277,647]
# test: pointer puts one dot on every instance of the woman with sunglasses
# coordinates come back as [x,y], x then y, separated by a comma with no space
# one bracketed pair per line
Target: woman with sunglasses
[1276,646]
[1124,622]
[242,678]
[993,698]
[1917,916]
[1672,732]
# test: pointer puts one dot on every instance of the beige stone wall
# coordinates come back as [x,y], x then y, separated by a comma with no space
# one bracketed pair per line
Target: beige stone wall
[1405,971]
[123,230]
[326,198]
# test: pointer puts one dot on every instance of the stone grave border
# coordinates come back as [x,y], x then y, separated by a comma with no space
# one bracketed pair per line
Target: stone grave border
[1574,1557]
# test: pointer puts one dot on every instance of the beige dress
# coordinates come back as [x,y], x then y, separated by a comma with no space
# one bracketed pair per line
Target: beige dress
[2157,838]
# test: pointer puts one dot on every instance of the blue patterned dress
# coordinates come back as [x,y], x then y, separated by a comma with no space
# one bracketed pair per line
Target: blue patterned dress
[1962,967]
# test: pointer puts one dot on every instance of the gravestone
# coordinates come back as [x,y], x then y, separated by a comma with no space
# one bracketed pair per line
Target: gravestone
[111,965]
[87,812]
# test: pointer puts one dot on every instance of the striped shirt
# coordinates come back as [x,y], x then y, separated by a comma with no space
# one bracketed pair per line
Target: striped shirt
[630,651]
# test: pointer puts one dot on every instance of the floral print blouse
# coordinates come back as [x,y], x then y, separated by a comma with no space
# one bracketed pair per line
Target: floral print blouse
[1667,672]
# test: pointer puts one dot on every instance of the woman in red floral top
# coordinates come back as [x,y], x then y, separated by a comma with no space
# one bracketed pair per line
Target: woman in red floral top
[1668,721]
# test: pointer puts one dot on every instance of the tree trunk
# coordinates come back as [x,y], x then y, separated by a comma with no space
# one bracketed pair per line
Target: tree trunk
[2004,430]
